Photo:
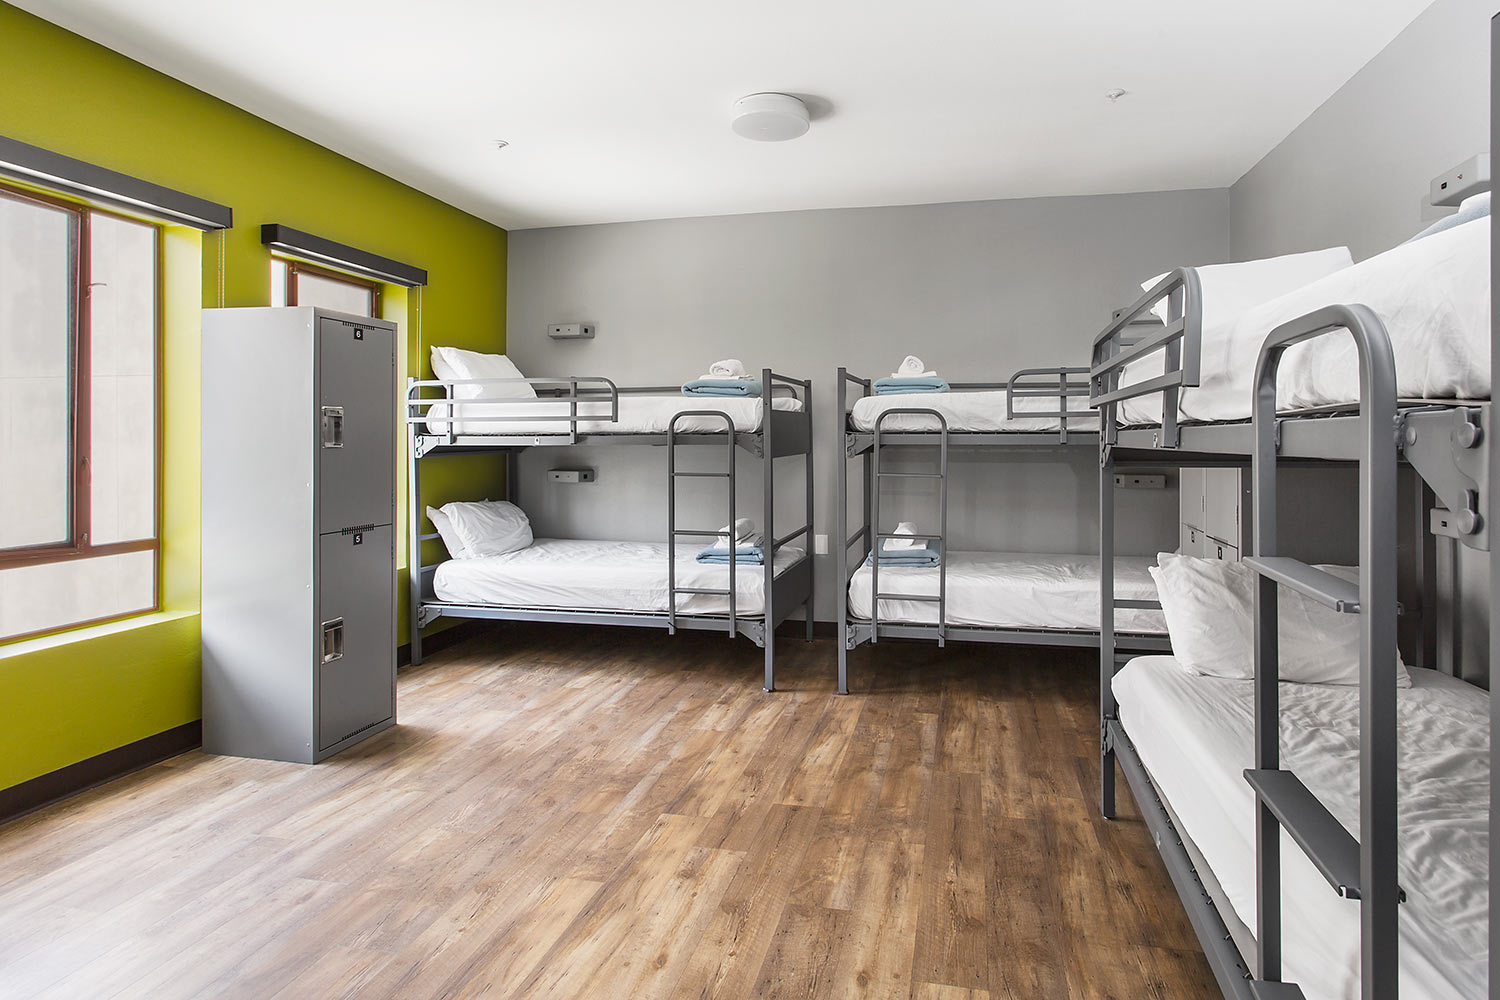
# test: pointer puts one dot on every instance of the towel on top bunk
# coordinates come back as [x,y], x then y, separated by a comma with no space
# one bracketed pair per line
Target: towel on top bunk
[724,378]
[908,551]
[748,545]
[911,367]
[910,377]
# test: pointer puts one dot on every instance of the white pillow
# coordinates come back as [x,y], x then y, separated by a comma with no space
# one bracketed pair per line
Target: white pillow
[482,528]
[1209,605]
[1230,289]
[458,364]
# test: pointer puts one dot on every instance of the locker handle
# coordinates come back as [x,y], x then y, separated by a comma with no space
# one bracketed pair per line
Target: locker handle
[333,426]
[333,640]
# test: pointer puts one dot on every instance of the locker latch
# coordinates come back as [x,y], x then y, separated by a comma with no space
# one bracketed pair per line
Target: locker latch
[333,640]
[333,426]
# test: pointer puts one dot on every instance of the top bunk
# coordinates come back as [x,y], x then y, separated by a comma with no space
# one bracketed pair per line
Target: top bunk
[1034,407]
[768,415]
[1175,371]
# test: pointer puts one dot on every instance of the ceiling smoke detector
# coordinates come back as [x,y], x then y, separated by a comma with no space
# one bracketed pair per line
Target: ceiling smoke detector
[770,117]
[1114,95]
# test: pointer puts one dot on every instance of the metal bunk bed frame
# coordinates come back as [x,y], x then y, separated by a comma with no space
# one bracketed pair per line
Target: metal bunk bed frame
[1051,383]
[782,434]
[1441,442]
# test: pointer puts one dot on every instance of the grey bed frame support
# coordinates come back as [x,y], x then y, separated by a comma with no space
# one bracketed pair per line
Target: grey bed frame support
[1058,383]
[782,434]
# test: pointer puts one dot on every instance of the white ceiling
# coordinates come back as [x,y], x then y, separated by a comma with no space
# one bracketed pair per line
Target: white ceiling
[619,109]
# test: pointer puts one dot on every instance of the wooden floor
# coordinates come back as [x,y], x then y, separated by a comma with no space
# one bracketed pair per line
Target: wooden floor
[599,813]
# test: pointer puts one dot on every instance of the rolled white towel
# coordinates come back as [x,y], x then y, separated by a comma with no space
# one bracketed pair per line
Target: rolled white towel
[744,531]
[911,367]
[896,544]
[728,368]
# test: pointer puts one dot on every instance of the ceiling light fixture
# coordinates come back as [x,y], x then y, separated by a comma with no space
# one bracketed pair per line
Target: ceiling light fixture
[770,117]
[1114,95]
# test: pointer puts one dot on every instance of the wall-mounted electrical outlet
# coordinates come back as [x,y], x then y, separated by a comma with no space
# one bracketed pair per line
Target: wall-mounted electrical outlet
[571,331]
[1469,177]
[820,545]
[570,475]
[1132,481]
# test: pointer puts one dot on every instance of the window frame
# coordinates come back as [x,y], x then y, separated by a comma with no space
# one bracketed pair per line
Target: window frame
[78,544]
[295,266]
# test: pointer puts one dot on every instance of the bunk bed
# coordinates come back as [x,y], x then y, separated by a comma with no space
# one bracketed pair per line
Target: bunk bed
[636,584]
[997,597]
[1248,784]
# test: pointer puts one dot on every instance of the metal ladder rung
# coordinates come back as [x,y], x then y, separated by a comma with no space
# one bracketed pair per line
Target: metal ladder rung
[1325,588]
[700,590]
[702,475]
[907,597]
[909,475]
[700,534]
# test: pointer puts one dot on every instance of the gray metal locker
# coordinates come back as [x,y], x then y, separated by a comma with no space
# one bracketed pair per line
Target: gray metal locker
[299,493]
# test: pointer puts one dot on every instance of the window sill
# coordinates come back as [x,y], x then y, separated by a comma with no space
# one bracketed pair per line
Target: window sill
[148,620]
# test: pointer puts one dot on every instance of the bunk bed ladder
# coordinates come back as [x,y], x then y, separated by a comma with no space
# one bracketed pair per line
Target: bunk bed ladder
[877,537]
[1362,869]
[673,532]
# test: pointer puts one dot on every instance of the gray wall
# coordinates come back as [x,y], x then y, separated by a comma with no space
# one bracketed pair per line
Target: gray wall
[1356,172]
[977,290]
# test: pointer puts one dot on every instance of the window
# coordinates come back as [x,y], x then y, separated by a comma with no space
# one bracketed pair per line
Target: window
[79,442]
[294,283]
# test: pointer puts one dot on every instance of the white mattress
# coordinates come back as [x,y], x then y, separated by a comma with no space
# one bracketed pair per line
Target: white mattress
[1433,295]
[971,412]
[1012,590]
[1193,734]
[639,414]
[602,576]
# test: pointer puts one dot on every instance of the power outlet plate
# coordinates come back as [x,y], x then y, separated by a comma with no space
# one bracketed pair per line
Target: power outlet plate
[1469,177]
[820,545]
[1132,481]
[571,331]
[573,476]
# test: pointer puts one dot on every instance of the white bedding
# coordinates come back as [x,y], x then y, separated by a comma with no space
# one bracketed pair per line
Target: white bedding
[1012,590]
[972,412]
[638,414]
[1193,734]
[602,576]
[1433,295]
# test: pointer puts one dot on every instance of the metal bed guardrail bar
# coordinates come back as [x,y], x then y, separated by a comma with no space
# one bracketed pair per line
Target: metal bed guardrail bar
[1179,343]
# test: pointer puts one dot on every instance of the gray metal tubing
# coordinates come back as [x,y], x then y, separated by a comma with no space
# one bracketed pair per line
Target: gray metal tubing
[943,521]
[768,525]
[841,518]
[1017,386]
[810,480]
[672,513]
[1380,894]
[417,405]
[1108,708]
[415,513]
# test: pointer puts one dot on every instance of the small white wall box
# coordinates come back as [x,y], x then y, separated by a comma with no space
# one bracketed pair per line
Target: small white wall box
[1468,178]
[571,331]
[570,475]
[1131,481]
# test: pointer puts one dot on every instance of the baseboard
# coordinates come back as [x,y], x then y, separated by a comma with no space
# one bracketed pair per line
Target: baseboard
[54,786]
[438,641]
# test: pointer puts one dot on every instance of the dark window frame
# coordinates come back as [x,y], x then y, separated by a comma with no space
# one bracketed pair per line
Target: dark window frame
[295,266]
[78,544]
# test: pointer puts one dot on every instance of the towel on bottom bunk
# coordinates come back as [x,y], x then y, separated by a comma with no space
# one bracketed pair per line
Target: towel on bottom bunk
[753,555]
[911,367]
[929,554]
[736,387]
[892,386]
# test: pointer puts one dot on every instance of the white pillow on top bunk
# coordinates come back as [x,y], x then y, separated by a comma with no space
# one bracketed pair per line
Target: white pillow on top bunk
[455,363]
[473,530]
[1230,289]
[1209,605]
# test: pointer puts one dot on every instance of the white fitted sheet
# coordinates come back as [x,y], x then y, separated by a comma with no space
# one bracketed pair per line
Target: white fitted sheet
[638,414]
[1012,590]
[972,412]
[1433,296]
[1193,734]
[588,575]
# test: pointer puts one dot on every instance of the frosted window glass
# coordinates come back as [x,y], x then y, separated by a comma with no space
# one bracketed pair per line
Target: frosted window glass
[278,282]
[316,290]
[36,290]
[46,596]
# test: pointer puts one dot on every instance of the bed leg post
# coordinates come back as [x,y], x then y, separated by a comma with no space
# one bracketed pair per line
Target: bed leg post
[770,656]
[1107,706]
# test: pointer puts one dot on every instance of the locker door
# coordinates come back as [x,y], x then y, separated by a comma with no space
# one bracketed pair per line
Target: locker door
[1221,504]
[357,439]
[1190,496]
[356,608]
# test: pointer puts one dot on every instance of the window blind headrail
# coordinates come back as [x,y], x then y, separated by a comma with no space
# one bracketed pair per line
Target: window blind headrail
[30,164]
[296,243]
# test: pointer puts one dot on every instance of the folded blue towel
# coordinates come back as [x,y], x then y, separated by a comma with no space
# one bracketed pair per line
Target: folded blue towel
[721,387]
[923,555]
[745,555]
[892,386]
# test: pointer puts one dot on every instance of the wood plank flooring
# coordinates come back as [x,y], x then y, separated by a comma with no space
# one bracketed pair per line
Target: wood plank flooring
[599,813]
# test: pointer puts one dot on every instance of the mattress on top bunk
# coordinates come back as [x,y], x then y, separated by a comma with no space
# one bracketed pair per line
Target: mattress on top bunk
[1433,295]
[1012,590]
[970,412]
[1193,734]
[638,414]
[585,575]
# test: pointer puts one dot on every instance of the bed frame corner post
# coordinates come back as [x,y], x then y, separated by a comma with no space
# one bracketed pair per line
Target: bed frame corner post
[414,544]
[768,499]
[1493,513]
[841,533]
[1107,707]
[810,477]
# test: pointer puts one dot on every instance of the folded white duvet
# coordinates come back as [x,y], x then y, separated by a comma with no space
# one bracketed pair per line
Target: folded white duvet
[1012,590]
[1193,734]
[971,412]
[603,576]
[638,414]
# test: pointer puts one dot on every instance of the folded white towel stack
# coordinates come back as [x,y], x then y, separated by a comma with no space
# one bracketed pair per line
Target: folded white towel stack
[745,535]
[896,544]
[911,367]
[728,368]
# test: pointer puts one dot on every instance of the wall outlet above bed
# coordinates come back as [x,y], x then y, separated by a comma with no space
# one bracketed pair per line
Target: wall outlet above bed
[570,475]
[571,331]
[1468,178]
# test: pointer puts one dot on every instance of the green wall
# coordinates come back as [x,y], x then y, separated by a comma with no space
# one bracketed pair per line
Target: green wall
[68,697]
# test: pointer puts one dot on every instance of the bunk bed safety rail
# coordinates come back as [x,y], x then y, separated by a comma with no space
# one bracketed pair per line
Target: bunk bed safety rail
[673,532]
[1047,383]
[1179,342]
[876,536]
[1364,869]
[571,389]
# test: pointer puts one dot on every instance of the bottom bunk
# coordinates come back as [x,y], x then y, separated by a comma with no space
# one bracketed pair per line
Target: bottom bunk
[1192,735]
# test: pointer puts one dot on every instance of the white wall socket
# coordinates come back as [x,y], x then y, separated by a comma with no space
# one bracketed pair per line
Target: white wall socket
[1131,481]
[820,545]
[571,331]
[570,475]
[1469,177]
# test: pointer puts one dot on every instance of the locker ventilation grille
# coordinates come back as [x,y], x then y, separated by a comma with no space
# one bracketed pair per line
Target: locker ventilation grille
[356,732]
